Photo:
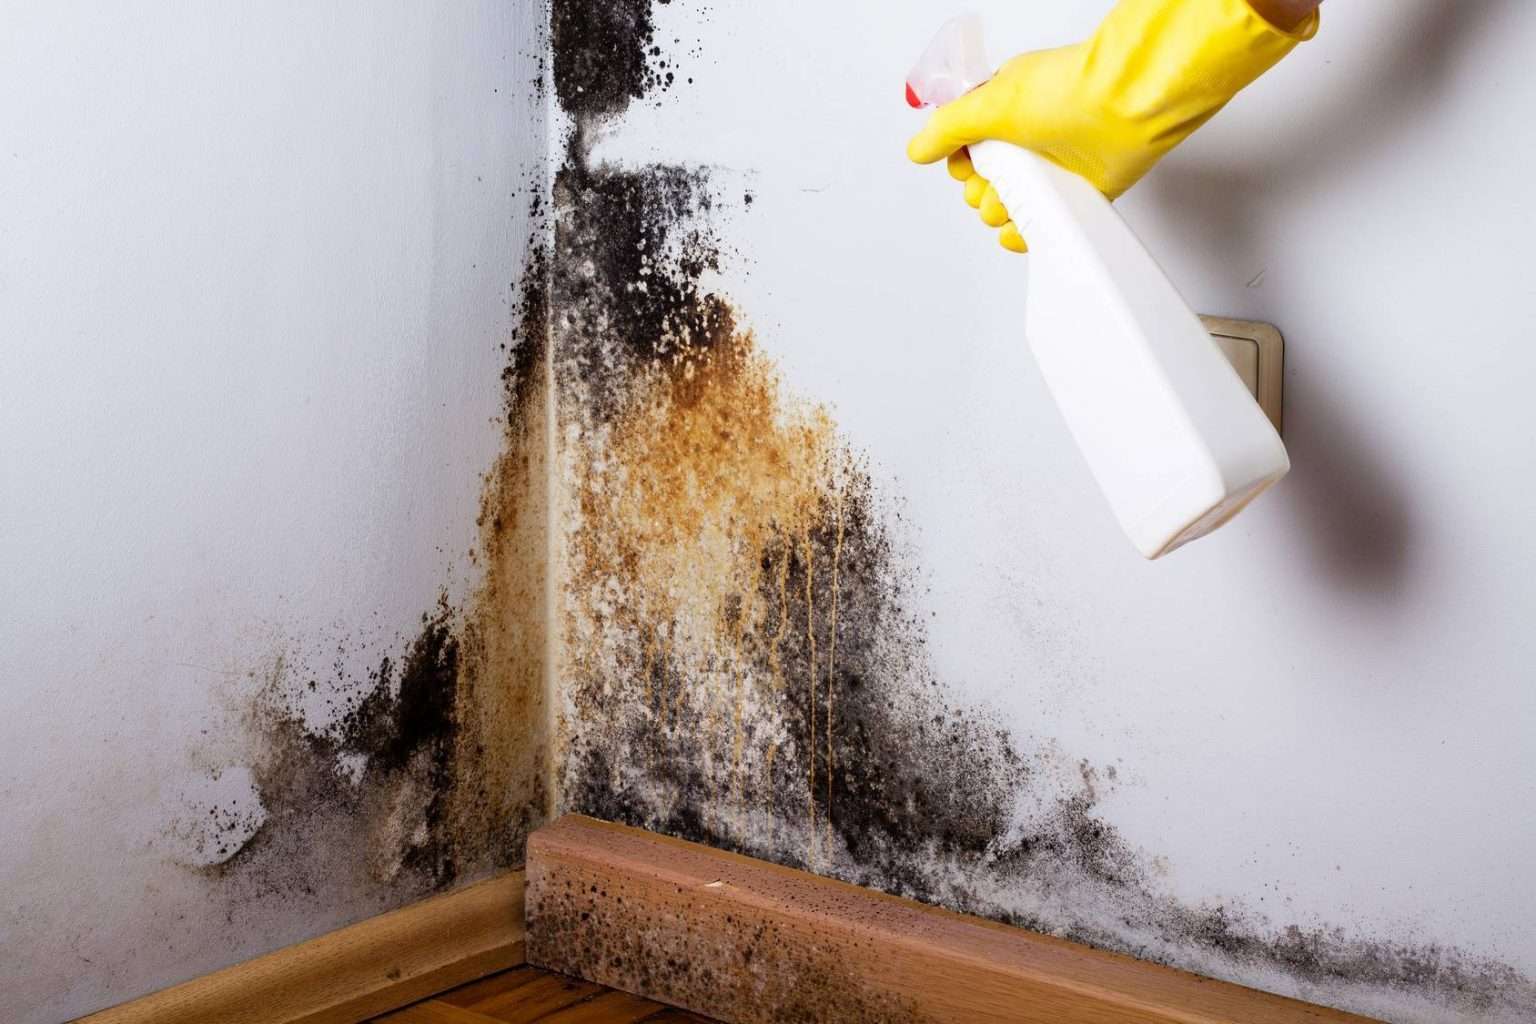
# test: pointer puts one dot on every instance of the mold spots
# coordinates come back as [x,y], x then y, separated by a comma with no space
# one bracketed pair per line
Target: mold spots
[705,494]
[605,54]
[395,796]
[687,950]
[635,295]
[215,816]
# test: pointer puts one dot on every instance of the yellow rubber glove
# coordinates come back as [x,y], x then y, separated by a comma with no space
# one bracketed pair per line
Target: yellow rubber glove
[1109,108]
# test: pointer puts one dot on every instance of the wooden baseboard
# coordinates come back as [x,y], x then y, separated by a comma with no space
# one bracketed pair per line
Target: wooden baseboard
[355,973]
[749,942]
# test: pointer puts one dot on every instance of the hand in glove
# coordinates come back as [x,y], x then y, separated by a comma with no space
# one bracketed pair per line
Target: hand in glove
[1109,108]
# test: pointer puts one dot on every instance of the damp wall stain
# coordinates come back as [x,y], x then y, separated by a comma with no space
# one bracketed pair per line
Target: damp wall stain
[740,659]
[431,769]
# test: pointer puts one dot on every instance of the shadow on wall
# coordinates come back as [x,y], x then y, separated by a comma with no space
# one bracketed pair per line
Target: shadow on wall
[1420,46]
[1344,486]
[1353,504]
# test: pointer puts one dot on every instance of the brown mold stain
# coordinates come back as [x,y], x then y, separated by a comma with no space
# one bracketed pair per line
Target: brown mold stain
[696,495]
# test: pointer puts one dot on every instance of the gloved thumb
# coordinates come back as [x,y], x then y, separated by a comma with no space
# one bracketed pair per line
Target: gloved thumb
[959,123]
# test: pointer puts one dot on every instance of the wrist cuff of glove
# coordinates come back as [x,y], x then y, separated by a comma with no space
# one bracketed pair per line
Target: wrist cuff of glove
[1299,34]
[1170,64]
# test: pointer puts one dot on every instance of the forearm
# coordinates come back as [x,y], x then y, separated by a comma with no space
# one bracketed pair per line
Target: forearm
[1284,14]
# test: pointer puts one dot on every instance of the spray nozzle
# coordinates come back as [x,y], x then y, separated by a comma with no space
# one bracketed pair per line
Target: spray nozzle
[954,63]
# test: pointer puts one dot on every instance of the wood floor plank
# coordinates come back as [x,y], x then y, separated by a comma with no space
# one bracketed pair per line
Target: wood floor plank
[495,985]
[555,999]
[536,1000]
[434,1012]
[608,1008]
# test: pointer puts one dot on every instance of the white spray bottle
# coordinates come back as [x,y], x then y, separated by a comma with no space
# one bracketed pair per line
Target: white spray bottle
[1174,439]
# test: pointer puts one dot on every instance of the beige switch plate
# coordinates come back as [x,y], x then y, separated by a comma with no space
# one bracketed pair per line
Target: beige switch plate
[1257,352]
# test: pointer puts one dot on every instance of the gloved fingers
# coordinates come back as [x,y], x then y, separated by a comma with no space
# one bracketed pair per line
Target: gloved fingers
[956,124]
[960,167]
[975,187]
[993,213]
[1010,238]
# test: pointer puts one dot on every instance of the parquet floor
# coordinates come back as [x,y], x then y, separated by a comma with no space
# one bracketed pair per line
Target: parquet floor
[525,995]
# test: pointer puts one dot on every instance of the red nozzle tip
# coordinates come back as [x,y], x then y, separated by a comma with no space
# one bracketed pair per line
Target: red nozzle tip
[912,98]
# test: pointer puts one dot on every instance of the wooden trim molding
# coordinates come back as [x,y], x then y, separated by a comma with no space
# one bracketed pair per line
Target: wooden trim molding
[749,942]
[354,973]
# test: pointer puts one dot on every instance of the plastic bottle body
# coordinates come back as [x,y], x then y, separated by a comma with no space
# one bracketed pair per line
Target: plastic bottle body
[1175,441]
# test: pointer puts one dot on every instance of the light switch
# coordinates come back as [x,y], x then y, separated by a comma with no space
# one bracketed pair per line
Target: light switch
[1257,352]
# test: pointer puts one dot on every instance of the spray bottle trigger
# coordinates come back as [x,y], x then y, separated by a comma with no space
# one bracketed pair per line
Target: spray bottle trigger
[954,63]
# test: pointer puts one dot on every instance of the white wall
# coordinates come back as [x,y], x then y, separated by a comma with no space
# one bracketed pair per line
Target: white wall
[253,280]
[1327,710]
[254,284]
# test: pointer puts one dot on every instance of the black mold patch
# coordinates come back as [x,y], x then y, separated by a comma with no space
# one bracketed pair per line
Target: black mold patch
[646,241]
[409,725]
[371,798]
[605,55]
[886,775]
[528,348]
[635,298]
